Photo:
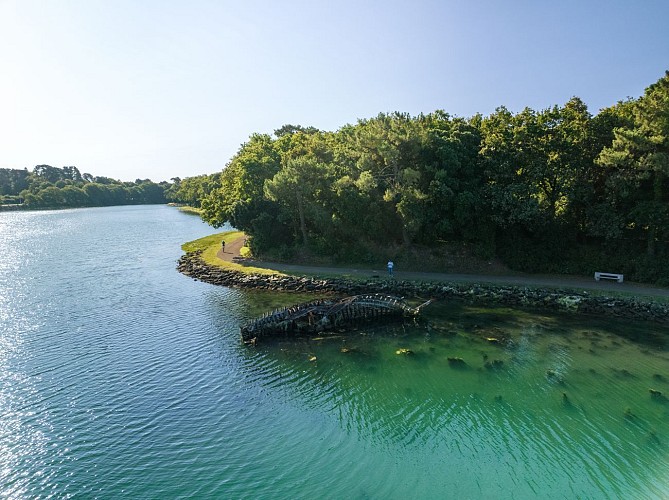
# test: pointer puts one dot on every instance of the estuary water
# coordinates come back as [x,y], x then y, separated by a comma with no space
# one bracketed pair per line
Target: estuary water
[121,378]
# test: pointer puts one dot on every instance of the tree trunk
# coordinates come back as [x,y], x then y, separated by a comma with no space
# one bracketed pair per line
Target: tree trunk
[658,192]
[650,242]
[303,225]
[406,239]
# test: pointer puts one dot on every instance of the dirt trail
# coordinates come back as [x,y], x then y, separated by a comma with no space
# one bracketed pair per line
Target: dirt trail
[231,249]
[577,283]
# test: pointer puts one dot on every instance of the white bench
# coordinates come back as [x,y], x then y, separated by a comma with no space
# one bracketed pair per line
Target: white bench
[609,276]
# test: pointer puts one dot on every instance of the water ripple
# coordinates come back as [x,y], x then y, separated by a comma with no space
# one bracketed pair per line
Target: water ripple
[121,378]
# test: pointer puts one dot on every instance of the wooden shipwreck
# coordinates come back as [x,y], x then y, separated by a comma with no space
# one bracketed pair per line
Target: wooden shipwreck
[327,315]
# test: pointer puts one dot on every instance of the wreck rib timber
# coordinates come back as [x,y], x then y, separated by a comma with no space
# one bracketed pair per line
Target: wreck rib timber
[328,314]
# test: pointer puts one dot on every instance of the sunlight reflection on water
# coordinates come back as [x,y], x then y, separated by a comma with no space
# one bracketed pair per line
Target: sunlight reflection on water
[120,377]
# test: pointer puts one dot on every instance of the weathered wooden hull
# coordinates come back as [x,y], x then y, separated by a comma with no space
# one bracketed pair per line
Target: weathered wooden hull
[327,315]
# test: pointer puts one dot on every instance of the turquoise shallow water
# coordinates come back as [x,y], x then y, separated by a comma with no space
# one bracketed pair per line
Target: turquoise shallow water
[120,377]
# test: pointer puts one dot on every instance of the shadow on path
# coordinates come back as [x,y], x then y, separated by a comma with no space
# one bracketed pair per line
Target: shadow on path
[578,283]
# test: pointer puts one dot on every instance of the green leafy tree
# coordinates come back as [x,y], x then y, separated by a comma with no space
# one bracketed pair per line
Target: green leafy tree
[388,148]
[48,173]
[242,184]
[453,179]
[298,186]
[52,197]
[192,190]
[639,159]
[534,161]
[13,181]
[293,129]
[74,196]
[594,200]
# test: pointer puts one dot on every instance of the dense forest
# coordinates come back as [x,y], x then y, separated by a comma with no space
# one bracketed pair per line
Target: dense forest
[53,187]
[557,190]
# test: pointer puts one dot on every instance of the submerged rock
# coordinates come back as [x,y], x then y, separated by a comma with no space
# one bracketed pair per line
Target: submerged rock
[554,377]
[566,402]
[623,373]
[657,395]
[456,362]
[629,415]
[495,364]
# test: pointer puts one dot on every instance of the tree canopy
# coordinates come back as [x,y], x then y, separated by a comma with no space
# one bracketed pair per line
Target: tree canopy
[553,190]
[53,187]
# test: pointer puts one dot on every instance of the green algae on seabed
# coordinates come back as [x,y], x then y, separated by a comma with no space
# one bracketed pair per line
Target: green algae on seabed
[541,393]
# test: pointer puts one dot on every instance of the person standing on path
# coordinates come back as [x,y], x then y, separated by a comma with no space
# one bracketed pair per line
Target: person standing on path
[390,267]
[223,245]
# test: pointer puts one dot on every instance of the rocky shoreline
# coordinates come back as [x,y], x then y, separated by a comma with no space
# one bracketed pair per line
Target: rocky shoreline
[192,265]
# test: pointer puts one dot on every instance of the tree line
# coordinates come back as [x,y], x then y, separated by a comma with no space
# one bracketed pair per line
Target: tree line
[557,190]
[52,187]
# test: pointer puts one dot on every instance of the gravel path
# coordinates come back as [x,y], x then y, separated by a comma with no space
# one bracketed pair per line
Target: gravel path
[578,283]
[231,250]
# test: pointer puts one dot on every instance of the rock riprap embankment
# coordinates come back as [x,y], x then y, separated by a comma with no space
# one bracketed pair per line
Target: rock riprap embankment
[192,265]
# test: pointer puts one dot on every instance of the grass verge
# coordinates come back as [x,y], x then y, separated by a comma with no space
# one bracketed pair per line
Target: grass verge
[210,245]
[190,210]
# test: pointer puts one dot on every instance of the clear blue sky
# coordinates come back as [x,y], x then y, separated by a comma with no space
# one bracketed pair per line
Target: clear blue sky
[159,88]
